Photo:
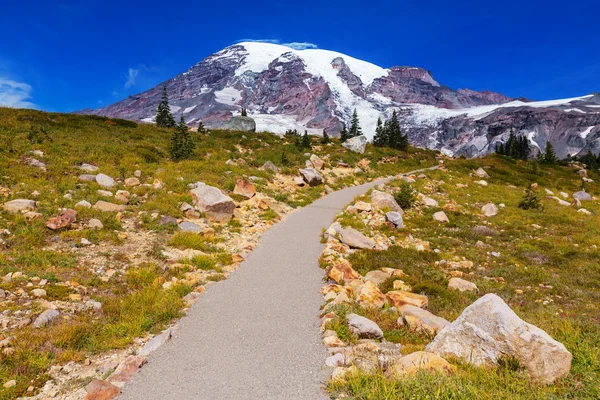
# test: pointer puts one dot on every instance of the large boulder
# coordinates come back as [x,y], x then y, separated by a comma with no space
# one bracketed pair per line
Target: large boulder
[395,218]
[488,329]
[420,320]
[316,162]
[244,188]
[481,173]
[368,295]
[364,327]
[357,144]
[582,196]
[381,200]
[239,123]
[211,201]
[342,271]
[311,176]
[64,220]
[355,239]
[19,205]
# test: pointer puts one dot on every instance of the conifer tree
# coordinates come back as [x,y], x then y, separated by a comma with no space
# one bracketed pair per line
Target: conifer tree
[344,134]
[182,145]
[355,129]
[325,138]
[164,118]
[306,143]
[396,140]
[379,139]
[244,112]
[549,155]
[201,128]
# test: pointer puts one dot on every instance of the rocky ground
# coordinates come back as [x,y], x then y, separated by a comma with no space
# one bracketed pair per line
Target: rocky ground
[398,281]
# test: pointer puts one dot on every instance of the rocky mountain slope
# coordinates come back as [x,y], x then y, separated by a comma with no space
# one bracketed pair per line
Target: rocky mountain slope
[312,89]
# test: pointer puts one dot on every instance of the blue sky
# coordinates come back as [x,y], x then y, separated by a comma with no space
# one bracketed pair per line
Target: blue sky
[70,55]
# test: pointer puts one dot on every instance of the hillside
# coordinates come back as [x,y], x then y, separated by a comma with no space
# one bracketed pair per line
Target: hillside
[314,89]
[112,242]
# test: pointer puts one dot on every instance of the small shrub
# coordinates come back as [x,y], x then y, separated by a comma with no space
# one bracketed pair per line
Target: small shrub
[530,201]
[405,197]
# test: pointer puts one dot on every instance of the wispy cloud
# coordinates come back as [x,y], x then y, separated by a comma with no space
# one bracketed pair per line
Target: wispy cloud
[132,77]
[15,94]
[293,45]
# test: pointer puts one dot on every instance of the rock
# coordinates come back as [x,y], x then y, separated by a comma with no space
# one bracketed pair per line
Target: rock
[342,271]
[156,342]
[88,168]
[584,211]
[369,296]
[185,207]
[239,123]
[355,239]
[244,188]
[127,369]
[105,193]
[64,220]
[83,204]
[10,384]
[39,292]
[45,318]
[330,339]
[87,178]
[123,196]
[382,200]
[19,205]
[549,192]
[101,390]
[377,277]
[269,166]
[364,327]
[132,182]
[481,183]
[108,207]
[395,218]
[427,201]
[311,176]
[562,202]
[105,181]
[462,285]
[362,206]
[488,329]
[299,181]
[187,226]
[421,361]
[95,223]
[441,216]
[36,163]
[398,298]
[211,201]
[582,173]
[489,210]
[420,320]
[158,184]
[357,144]
[582,195]
[317,163]
[480,173]
[167,220]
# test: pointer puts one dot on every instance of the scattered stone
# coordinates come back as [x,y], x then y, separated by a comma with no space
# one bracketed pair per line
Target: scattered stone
[158,184]
[299,181]
[421,361]
[357,144]
[562,202]
[364,327]
[311,176]
[549,192]
[36,163]
[95,223]
[395,218]
[355,239]
[211,201]
[87,178]
[83,204]
[39,292]
[64,220]
[132,182]
[105,193]
[489,210]
[108,207]
[127,369]
[167,220]
[584,211]
[480,173]
[244,188]
[481,183]
[363,206]
[88,168]
[45,318]
[420,320]
[240,123]
[582,173]
[85,242]
[377,277]
[187,226]
[441,216]
[427,201]
[488,329]
[369,296]
[398,298]
[316,162]
[381,200]
[156,342]
[582,195]
[105,181]
[101,390]
[563,195]
[462,285]
[342,271]
[20,205]
[10,384]
[269,166]
[330,339]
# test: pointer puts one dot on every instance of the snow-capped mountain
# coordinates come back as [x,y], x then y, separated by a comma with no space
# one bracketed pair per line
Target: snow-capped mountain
[284,88]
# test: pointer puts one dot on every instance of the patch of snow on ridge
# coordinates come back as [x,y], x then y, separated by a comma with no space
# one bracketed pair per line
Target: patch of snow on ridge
[585,133]
[531,136]
[189,109]
[279,123]
[229,96]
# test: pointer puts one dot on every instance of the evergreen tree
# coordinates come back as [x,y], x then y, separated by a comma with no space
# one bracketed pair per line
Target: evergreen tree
[379,139]
[182,145]
[396,140]
[549,156]
[325,138]
[284,159]
[244,112]
[306,143]
[530,200]
[344,134]
[201,128]
[515,147]
[355,129]
[164,118]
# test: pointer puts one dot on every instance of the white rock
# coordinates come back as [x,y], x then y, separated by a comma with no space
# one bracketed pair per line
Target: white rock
[83,204]
[489,210]
[364,327]
[461,285]
[441,216]
[105,181]
[357,144]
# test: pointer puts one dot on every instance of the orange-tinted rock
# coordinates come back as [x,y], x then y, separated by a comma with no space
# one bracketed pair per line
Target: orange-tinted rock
[64,220]
[398,298]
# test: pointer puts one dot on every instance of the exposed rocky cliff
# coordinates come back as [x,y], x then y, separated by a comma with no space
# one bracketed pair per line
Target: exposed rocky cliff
[283,88]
